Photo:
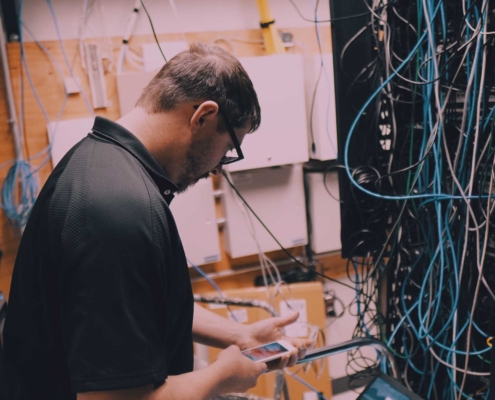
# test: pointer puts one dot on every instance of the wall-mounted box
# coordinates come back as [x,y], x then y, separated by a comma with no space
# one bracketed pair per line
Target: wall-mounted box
[195,215]
[277,196]
[324,211]
[320,106]
[63,135]
[282,136]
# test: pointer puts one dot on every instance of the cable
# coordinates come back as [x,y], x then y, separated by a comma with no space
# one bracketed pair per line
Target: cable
[303,382]
[420,165]
[214,285]
[276,240]
[153,30]
[204,275]
[66,58]
[125,53]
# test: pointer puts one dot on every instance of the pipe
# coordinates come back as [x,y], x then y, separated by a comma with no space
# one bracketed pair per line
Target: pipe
[9,92]
[350,345]
[237,302]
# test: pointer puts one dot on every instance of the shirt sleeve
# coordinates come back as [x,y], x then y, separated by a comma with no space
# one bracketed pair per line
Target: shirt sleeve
[113,322]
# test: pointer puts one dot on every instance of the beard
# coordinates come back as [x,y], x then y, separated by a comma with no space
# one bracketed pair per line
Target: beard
[194,167]
[183,185]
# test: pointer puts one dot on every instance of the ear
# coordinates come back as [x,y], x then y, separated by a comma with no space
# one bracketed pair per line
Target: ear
[204,116]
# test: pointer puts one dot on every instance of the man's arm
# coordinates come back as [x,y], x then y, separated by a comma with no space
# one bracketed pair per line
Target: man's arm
[232,372]
[212,330]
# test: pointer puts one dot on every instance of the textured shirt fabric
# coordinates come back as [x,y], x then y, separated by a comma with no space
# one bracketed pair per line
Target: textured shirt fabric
[101,297]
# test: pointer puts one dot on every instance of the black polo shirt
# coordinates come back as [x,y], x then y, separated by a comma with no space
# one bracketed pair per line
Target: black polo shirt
[101,297]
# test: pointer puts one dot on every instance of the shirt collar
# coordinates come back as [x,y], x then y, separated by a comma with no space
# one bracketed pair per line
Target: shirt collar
[111,131]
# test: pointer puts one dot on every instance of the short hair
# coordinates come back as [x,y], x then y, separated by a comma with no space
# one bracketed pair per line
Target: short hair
[204,72]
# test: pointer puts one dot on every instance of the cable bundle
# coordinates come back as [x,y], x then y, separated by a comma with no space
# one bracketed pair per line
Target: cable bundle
[427,177]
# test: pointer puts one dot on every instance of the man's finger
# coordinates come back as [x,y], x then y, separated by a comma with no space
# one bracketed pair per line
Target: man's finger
[308,343]
[292,360]
[283,362]
[263,368]
[301,353]
[284,321]
[278,364]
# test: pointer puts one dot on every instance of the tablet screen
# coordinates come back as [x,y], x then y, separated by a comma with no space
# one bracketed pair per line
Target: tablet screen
[385,388]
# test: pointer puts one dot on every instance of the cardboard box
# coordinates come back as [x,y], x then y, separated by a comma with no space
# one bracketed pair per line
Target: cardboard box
[308,298]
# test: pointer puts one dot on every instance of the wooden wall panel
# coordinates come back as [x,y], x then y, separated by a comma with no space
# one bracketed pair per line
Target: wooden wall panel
[50,89]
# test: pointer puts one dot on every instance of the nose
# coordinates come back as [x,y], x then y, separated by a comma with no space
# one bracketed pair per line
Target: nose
[217,171]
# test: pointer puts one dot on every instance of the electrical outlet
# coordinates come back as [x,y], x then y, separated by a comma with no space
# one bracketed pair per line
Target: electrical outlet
[287,38]
[72,85]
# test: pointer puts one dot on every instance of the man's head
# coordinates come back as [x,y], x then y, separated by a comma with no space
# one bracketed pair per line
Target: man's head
[210,92]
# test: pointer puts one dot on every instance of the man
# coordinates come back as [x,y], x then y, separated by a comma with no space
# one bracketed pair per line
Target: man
[101,303]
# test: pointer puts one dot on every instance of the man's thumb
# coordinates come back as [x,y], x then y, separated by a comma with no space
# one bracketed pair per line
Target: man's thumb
[284,321]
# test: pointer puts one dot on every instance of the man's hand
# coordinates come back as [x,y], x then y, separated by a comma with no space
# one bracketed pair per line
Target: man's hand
[239,373]
[268,330]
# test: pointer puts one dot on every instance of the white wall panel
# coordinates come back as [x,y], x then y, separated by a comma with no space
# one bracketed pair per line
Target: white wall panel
[282,136]
[195,215]
[63,135]
[277,196]
[324,211]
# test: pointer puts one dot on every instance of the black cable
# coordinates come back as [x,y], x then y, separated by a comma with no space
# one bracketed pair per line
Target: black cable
[277,241]
[153,29]
[327,171]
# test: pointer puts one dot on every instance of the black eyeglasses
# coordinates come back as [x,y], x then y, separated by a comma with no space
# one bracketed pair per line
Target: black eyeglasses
[230,159]
[237,147]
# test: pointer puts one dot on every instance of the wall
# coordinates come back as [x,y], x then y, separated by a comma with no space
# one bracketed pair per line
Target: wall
[198,18]
[193,16]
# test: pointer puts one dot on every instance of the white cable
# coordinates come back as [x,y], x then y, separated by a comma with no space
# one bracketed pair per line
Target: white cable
[132,61]
[302,45]
[131,54]
[452,366]
[479,261]
[464,10]
[107,53]
[252,232]
[268,267]
[129,29]
[82,26]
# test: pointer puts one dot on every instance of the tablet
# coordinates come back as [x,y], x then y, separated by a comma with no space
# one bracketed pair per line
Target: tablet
[382,387]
